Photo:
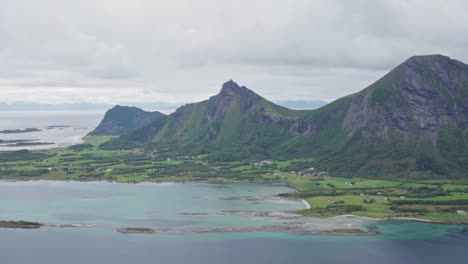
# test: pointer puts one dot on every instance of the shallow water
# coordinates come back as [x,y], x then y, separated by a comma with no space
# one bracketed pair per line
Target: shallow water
[108,206]
[166,205]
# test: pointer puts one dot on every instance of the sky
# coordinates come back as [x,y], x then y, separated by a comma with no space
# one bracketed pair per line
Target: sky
[179,51]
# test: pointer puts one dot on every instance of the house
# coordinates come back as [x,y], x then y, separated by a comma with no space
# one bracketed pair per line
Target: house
[263,162]
[100,169]
[461,212]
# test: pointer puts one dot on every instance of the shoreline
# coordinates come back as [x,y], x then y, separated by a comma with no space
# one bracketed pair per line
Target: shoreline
[292,186]
[306,204]
[399,218]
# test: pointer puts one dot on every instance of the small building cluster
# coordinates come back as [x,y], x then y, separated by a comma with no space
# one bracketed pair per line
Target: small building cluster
[310,172]
[261,163]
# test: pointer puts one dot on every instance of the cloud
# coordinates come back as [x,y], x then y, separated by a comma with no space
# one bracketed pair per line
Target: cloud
[126,51]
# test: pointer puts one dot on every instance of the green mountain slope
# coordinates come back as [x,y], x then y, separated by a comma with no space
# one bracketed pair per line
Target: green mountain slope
[413,121]
[122,119]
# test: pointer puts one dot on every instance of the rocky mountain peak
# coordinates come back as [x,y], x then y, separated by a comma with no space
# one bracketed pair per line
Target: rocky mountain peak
[440,67]
[231,88]
[421,95]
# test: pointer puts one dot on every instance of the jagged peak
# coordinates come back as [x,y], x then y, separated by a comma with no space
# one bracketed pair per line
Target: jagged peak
[230,85]
[230,88]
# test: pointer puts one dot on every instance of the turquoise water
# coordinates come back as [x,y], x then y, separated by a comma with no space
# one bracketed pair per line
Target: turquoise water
[167,205]
[107,206]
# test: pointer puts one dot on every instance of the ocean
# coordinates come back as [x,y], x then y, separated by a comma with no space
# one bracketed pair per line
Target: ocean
[62,128]
[102,207]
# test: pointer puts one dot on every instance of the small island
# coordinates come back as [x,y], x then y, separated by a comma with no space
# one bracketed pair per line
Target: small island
[28,144]
[19,224]
[348,232]
[19,131]
[136,230]
[9,141]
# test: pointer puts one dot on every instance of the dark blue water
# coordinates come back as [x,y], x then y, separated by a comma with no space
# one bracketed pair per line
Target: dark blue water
[86,246]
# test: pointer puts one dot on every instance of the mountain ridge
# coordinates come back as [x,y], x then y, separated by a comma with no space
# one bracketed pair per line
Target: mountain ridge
[412,119]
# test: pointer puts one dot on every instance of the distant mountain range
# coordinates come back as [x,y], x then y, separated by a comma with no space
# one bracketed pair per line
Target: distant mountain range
[301,104]
[154,106]
[21,106]
[413,122]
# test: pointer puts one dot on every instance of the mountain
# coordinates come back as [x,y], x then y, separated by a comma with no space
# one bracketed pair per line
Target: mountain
[413,122]
[415,118]
[122,119]
[236,122]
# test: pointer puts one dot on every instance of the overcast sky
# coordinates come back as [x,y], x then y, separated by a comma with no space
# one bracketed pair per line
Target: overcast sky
[175,51]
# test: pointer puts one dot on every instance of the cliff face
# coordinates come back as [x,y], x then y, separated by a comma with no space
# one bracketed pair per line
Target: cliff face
[420,96]
[415,118]
[122,119]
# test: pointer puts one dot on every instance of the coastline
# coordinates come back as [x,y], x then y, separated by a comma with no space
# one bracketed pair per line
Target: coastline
[398,218]
[294,186]
[305,203]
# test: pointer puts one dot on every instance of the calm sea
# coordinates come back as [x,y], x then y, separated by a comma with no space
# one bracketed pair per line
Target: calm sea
[63,128]
[107,206]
